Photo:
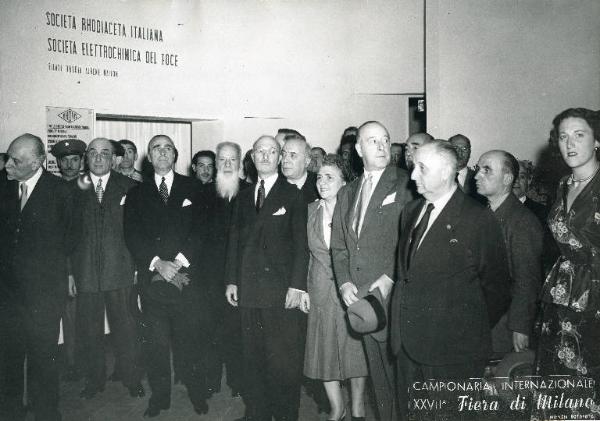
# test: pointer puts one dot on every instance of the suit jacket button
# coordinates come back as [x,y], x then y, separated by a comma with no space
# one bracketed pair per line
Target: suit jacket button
[157,238]
[267,269]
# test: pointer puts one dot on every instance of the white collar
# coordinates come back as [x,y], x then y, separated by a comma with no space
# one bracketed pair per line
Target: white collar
[375,176]
[32,181]
[168,179]
[443,200]
[300,181]
[95,179]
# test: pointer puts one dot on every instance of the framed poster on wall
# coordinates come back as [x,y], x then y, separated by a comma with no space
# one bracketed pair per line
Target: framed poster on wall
[67,123]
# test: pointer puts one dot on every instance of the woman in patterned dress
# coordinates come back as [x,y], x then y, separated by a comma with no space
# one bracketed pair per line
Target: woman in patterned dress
[332,354]
[570,330]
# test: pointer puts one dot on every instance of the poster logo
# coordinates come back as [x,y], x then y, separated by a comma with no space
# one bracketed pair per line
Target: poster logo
[69,115]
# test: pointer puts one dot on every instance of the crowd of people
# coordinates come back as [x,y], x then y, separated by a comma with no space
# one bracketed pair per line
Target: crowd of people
[382,264]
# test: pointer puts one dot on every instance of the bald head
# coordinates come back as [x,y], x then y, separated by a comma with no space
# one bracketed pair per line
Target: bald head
[25,156]
[497,172]
[373,145]
[266,154]
[100,153]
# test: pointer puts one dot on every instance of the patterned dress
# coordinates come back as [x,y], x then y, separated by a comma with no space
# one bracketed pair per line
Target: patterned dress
[570,326]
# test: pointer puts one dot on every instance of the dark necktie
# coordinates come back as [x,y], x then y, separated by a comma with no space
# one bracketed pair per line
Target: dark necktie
[163,191]
[99,190]
[417,234]
[260,198]
[23,195]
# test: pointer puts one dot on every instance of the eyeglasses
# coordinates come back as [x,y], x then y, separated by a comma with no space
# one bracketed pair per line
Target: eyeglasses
[102,154]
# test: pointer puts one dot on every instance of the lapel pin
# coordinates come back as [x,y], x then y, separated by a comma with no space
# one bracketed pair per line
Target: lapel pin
[448,227]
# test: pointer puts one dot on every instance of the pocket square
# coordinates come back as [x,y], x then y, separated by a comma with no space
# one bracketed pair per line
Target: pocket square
[280,211]
[186,202]
[390,198]
[123,200]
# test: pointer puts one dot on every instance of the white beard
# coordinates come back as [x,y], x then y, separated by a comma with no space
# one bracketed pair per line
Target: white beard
[227,184]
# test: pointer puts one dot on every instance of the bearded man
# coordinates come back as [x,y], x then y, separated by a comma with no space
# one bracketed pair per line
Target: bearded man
[217,199]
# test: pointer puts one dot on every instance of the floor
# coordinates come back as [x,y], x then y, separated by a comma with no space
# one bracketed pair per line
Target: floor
[115,404]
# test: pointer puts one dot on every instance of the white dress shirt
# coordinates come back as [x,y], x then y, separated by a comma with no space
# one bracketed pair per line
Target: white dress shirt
[375,176]
[269,182]
[169,182]
[462,177]
[438,207]
[31,182]
[104,179]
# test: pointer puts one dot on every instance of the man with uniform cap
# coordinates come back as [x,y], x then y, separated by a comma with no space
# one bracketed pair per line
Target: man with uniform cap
[69,159]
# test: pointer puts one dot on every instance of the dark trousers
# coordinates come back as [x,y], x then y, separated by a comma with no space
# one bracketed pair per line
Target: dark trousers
[410,371]
[382,373]
[12,352]
[181,324]
[30,331]
[69,319]
[90,313]
[272,341]
[231,345]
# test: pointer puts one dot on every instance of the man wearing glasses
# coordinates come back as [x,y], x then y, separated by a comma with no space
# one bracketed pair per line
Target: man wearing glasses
[103,271]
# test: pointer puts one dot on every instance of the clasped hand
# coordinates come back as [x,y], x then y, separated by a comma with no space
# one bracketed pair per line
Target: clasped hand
[170,272]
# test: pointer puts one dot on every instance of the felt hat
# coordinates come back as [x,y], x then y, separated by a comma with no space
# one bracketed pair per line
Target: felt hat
[68,147]
[369,315]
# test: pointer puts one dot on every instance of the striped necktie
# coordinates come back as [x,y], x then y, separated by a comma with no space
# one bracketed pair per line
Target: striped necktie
[163,191]
[99,190]
[24,196]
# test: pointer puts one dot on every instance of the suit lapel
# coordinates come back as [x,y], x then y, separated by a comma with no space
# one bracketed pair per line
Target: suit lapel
[317,226]
[353,192]
[382,189]
[273,200]
[441,227]
[37,193]
[410,226]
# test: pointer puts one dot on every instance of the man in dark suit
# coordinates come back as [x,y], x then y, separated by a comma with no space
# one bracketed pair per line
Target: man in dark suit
[267,264]
[160,232]
[465,176]
[523,237]
[103,271]
[453,276]
[295,159]
[35,219]
[216,206]
[550,250]
[363,244]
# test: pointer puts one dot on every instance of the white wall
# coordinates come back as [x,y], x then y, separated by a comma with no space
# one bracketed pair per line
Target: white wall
[312,64]
[499,71]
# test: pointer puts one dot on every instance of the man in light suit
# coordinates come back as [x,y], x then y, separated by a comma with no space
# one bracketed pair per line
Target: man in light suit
[363,244]
[267,264]
[524,238]
[161,234]
[35,221]
[452,284]
[103,271]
